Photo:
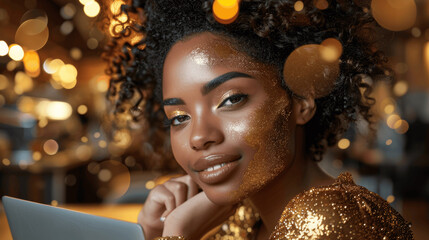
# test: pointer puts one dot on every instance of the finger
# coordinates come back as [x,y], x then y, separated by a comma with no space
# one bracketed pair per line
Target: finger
[179,190]
[192,185]
[166,198]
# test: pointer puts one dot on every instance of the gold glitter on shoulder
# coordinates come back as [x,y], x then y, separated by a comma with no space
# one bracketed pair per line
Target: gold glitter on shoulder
[342,210]
[240,226]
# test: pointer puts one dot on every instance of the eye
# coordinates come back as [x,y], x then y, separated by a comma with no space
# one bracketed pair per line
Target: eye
[178,120]
[233,100]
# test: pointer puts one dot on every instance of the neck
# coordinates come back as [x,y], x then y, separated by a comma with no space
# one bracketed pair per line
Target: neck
[302,174]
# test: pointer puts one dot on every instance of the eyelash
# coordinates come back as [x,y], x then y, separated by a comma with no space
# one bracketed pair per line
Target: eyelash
[242,97]
[170,122]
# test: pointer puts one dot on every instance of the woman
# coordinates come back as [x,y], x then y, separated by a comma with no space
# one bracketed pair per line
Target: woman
[246,132]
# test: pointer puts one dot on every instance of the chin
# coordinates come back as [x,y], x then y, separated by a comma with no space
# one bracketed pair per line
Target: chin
[222,195]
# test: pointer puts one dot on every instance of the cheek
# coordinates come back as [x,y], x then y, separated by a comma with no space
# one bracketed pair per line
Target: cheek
[270,135]
[178,146]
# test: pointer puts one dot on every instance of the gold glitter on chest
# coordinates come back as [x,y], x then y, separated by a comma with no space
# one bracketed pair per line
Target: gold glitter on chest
[342,210]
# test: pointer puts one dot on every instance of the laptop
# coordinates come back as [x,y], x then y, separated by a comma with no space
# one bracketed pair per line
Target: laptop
[30,220]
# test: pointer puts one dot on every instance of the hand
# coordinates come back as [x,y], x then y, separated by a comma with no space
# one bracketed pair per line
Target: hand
[195,217]
[186,211]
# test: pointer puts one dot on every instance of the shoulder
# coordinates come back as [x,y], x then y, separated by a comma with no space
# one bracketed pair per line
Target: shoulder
[342,210]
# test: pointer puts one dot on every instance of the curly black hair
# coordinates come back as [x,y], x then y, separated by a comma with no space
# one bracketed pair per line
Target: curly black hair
[268,31]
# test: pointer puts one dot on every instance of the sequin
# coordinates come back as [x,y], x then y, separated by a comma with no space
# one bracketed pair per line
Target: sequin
[342,210]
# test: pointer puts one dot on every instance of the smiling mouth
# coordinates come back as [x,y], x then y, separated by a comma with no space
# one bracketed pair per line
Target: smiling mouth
[215,169]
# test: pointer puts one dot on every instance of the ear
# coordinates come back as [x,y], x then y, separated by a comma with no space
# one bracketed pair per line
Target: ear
[304,109]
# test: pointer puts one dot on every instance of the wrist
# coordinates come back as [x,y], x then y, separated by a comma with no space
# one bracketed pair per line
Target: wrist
[173,227]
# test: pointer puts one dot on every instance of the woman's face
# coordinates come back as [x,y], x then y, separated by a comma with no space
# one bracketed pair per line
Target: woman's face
[231,124]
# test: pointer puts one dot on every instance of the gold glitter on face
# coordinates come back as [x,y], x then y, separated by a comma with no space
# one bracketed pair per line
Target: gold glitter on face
[245,117]
[269,136]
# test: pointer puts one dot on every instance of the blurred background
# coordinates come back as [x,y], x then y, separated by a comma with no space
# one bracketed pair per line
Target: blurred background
[58,146]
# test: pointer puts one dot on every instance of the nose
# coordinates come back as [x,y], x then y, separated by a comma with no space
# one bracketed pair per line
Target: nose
[206,132]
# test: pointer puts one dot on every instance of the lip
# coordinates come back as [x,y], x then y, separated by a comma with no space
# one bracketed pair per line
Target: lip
[228,162]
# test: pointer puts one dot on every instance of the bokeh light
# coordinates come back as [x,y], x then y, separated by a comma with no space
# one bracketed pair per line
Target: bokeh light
[32,63]
[416,32]
[392,120]
[66,27]
[91,8]
[321,4]
[400,88]
[97,135]
[37,156]
[104,175]
[394,15]
[225,11]
[307,74]
[298,6]
[57,110]
[390,199]
[344,143]
[54,203]
[82,109]
[84,2]
[33,34]
[4,48]
[23,83]
[4,82]
[76,53]
[388,142]
[331,50]
[16,52]
[68,11]
[401,126]
[83,152]
[388,109]
[117,175]
[102,144]
[67,73]
[26,104]
[5,161]
[150,185]
[51,147]
[92,43]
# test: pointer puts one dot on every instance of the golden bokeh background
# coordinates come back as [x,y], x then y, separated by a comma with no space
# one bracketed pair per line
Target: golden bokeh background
[59,146]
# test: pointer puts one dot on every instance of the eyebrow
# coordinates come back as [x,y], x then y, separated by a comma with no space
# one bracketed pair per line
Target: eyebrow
[173,101]
[221,79]
[208,86]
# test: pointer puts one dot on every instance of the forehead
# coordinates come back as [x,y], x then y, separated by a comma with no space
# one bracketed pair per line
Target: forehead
[202,57]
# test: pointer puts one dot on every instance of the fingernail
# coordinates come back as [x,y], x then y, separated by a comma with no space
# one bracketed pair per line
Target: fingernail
[162,219]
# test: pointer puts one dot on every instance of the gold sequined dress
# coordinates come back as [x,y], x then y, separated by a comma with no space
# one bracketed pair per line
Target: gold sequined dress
[342,210]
